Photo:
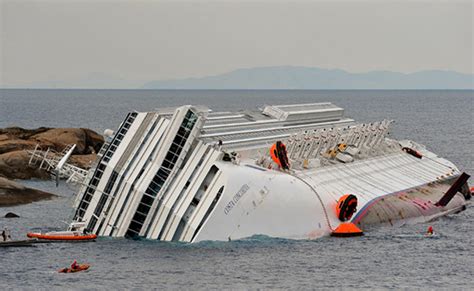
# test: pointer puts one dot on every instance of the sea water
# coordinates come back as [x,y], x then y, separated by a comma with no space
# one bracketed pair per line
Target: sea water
[384,258]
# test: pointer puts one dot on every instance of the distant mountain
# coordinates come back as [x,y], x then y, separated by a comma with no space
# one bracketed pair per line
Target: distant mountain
[290,77]
[90,81]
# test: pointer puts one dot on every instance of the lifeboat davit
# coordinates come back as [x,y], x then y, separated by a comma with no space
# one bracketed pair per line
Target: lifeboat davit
[62,236]
[81,267]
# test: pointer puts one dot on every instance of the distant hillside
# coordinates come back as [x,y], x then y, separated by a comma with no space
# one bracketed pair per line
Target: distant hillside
[90,81]
[289,77]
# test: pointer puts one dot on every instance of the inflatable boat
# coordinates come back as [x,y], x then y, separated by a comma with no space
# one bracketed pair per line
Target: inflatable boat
[75,232]
[62,236]
[81,267]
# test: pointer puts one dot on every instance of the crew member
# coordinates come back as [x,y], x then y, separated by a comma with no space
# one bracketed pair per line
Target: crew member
[4,235]
[430,231]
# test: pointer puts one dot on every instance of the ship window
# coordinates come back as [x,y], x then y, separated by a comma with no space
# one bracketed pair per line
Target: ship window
[154,184]
[174,147]
[161,175]
[95,182]
[143,208]
[92,223]
[166,163]
[111,182]
[147,200]
[134,227]
[195,201]
[81,212]
[155,188]
[140,217]
[87,199]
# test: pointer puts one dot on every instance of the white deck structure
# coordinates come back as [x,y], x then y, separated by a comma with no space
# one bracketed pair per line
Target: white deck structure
[190,174]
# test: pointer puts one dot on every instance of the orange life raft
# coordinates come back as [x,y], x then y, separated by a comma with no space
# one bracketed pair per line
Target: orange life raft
[347,229]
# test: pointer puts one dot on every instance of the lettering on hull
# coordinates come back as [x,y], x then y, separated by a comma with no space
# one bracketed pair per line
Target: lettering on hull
[236,198]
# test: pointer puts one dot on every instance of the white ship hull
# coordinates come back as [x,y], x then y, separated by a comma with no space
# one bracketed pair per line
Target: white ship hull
[288,206]
[190,175]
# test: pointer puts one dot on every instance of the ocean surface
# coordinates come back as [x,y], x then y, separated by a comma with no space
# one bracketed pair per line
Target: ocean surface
[384,258]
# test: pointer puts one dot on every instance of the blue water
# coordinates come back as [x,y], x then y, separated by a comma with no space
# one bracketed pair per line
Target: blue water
[384,258]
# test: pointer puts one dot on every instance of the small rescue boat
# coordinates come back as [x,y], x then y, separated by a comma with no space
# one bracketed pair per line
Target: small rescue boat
[62,236]
[75,232]
[81,267]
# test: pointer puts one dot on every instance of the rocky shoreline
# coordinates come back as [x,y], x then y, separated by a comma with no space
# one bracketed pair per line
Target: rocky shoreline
[13,194]
[14,159]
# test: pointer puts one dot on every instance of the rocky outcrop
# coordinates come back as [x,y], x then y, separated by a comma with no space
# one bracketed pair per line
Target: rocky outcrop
[87,141]
[13,193]
[14,159]
[11,215]
[14,165]
[14,141]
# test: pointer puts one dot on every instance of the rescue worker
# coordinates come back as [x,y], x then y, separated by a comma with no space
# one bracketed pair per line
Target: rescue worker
[4,235]
[429,231]
[74,265]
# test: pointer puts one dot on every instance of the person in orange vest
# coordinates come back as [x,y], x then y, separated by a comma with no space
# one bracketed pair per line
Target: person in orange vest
[74,265]
[430,231]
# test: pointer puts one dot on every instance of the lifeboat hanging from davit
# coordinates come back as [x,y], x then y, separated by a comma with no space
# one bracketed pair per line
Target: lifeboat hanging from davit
[346,207]
[279,155]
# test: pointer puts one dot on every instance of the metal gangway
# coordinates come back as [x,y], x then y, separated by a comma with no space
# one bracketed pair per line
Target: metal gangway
[56,163]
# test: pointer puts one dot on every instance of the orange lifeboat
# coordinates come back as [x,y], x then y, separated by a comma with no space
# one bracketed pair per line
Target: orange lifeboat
[346,207]
[412,152]
[279,155]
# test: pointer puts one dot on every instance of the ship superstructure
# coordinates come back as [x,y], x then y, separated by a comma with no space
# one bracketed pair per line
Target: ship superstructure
[190,174]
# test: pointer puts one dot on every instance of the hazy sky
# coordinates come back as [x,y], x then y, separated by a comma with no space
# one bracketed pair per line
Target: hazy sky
[150,40]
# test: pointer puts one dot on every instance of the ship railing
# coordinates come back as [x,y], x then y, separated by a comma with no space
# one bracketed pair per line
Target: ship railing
[366,138]
[48,160]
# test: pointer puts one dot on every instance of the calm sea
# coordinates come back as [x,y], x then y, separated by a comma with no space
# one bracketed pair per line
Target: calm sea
[383,258]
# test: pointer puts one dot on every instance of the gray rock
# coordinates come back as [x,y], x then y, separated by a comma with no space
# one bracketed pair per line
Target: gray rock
[11,215]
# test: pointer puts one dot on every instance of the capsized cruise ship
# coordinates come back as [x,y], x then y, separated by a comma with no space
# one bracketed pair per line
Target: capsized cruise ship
[293,171]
